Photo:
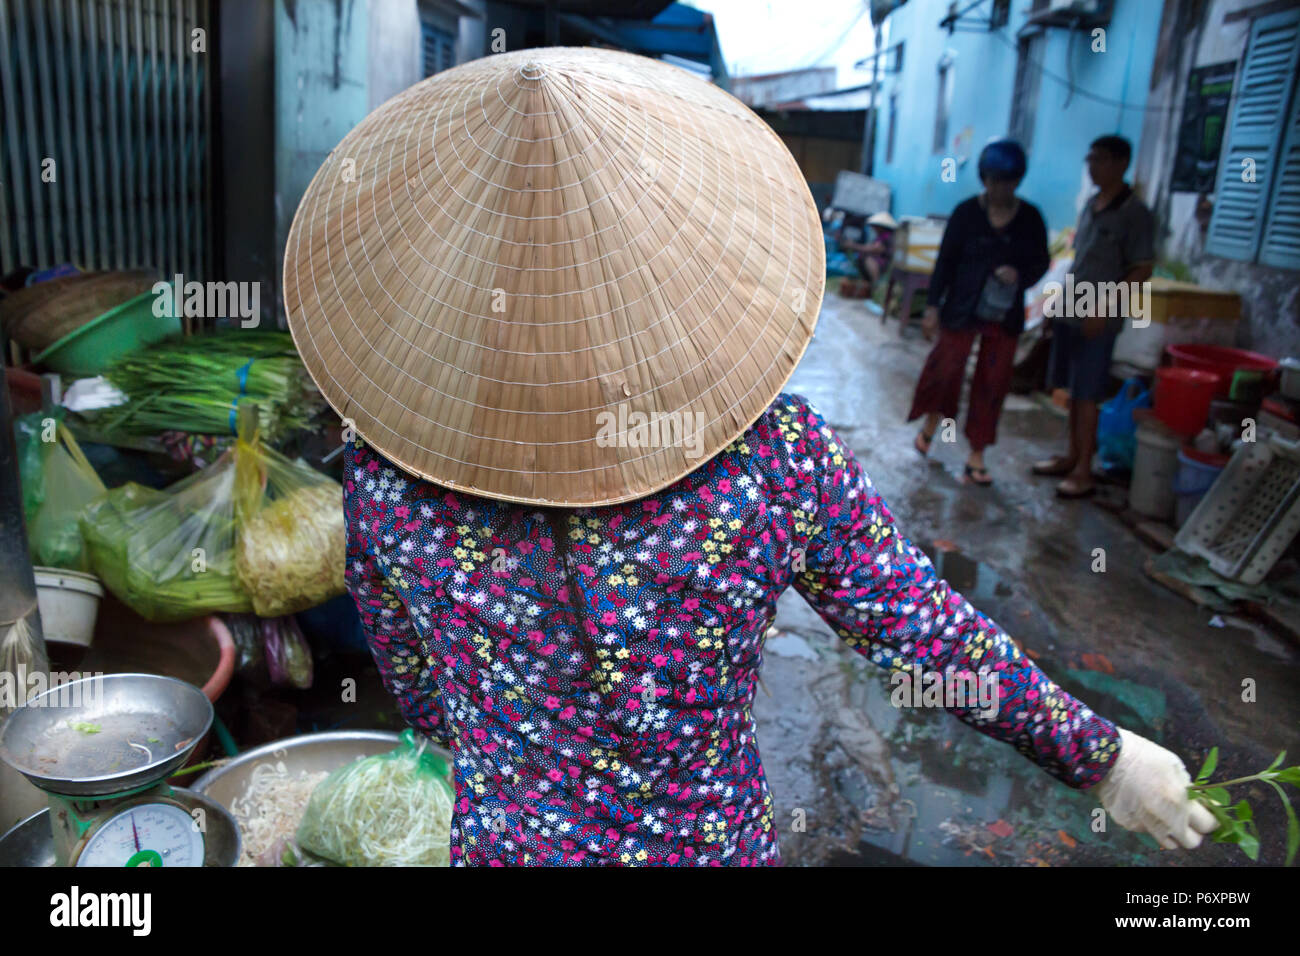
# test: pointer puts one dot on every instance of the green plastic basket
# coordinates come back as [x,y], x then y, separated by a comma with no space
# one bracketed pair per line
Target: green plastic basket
[121,330]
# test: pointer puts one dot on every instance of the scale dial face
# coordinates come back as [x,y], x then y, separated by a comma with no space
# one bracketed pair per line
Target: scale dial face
[147,834]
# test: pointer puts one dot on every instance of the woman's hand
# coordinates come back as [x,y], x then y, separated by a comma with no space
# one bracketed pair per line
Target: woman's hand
[930,322]
[1146,791]
[1007,274]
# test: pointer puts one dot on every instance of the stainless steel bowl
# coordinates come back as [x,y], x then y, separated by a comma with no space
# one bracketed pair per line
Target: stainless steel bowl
[308,753]
[29,843]
[145,725]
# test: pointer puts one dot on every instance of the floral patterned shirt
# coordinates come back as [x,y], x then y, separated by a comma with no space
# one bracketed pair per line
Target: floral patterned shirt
[628,739]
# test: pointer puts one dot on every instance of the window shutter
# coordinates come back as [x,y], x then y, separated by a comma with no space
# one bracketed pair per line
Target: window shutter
[1255,133]
[437,48]
[1281,247]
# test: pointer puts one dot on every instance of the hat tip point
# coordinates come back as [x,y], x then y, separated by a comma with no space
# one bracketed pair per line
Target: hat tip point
[531,70]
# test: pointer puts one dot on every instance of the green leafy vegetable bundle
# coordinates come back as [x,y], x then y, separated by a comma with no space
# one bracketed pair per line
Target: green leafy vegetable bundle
[1237,821]
[197,383]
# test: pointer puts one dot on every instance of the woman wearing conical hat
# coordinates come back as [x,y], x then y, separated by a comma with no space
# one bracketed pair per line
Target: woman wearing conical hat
[556,295]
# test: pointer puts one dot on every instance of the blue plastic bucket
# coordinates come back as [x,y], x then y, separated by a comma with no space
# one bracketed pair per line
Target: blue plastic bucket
[1193,480]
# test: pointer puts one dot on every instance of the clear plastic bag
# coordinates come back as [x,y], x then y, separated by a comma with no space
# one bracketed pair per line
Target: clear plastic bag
[393,809]
[69,484]
[290,544]
[170,555]
[29,434]
[253,531]
[288,656]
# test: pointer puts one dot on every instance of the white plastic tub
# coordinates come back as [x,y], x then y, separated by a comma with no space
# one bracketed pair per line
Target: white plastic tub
[1155,465]
[69,603]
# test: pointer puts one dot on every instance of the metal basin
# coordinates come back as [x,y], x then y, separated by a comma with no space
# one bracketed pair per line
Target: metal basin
[145,726]
[29,843]
[307,753]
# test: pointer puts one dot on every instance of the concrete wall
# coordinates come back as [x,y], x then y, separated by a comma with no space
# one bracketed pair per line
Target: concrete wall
[472,39]
[394,48]
[321,77]
[335,61]
[984,66]
[1194,34]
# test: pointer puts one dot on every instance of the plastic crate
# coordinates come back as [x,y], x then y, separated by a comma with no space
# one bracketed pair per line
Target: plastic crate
[1250,514]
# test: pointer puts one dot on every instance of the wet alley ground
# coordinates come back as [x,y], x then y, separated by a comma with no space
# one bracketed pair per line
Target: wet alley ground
[832,744]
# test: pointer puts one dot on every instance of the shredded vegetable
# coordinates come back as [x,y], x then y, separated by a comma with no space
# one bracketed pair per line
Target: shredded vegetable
[393,809]
[290,554]
[270,808]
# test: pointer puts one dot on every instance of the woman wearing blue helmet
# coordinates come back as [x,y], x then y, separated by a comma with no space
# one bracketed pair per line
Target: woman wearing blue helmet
[993,249]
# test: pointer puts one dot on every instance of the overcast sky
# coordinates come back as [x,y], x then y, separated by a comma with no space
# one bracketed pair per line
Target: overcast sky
[771,36]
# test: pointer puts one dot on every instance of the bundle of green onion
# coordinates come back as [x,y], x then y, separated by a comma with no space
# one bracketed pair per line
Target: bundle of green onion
[169,555]
[197,383]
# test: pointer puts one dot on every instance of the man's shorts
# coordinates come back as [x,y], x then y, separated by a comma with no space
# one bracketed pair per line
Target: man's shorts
[1079,364]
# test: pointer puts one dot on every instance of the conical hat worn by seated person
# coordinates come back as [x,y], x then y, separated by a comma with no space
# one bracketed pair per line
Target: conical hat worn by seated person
[558,277]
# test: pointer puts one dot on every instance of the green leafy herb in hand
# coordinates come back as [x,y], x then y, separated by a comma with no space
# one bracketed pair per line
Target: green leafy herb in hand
[1236,822]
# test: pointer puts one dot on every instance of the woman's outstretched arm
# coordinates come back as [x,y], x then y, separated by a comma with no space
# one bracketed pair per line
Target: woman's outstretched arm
[882,596]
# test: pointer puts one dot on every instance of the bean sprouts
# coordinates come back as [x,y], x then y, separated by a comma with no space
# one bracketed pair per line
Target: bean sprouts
[148,754]
[382,811]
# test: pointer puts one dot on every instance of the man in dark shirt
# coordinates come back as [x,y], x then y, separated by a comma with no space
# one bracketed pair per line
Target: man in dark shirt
[1114,242]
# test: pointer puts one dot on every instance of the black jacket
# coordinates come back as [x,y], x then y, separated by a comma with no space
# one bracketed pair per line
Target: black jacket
[971,249]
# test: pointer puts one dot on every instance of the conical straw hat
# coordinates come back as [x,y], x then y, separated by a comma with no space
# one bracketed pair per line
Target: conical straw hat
[559,276]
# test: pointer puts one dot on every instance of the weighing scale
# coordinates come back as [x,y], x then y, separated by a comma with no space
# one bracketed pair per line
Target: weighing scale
[102,749]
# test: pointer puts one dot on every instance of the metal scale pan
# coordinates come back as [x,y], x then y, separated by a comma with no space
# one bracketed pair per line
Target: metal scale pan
[104,735]
[102,749]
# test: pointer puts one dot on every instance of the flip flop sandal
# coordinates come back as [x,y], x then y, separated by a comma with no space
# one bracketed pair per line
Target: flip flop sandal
[1052,471]
[971,476]
[923,442]
[1076,492]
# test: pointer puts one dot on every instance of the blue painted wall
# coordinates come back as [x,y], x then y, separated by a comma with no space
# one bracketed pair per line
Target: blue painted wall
[321,70]
[984,66]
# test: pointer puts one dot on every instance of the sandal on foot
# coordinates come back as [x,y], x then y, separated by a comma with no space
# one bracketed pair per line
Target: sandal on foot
[977,476]
[923,442]
[1057,467]
[1070,488]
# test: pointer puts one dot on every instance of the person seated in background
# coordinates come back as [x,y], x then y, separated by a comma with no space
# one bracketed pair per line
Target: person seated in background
[872,257]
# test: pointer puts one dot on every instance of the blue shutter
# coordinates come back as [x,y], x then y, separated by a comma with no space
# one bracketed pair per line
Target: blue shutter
[1255,133]
[437,48]
[1281,247]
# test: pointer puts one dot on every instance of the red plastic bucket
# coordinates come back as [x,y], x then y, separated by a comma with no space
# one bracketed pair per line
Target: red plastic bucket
[1183,397]
[1220,360]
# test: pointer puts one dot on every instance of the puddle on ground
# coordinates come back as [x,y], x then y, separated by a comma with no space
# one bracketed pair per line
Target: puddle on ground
[884,785]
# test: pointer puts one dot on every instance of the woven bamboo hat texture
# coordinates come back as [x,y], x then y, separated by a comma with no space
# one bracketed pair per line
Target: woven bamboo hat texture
[561,276]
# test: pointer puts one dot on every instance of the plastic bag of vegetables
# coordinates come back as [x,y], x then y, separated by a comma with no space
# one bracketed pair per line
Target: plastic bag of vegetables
[253,531]
[392,809]
[290,541]
[270,651]
[170,555]
[65,483]
[288,656]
